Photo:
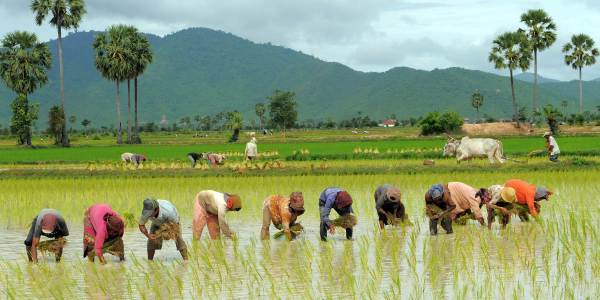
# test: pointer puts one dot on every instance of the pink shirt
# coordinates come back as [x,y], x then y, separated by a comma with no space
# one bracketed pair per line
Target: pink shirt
[98,229]
[463,196]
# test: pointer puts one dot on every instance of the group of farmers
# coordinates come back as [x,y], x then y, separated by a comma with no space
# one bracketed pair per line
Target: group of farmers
[445,203]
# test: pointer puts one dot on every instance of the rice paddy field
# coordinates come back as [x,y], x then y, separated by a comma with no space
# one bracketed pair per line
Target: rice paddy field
[555,256]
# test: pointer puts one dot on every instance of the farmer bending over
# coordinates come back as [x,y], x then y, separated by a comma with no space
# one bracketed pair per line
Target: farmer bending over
[165,226]
[209,209]
[389,206]
[438,207]
[48,223]
[528,195]
[340,201]
[102,232]
[552,146]
[194,157]
[283,212]
[501,203]
[448,202]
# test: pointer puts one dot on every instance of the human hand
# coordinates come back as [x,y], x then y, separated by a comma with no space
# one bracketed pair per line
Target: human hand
[332,229]
[152,236]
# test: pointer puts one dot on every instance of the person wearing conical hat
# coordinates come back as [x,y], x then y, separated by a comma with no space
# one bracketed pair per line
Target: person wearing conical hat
[165,225]
[209,211]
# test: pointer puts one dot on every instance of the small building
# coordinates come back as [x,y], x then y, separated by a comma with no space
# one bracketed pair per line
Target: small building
[388,123]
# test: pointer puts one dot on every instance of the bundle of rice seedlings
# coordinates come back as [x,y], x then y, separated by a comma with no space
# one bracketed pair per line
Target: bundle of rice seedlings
[295,230]
[169,231]
[52,246]
[346,221]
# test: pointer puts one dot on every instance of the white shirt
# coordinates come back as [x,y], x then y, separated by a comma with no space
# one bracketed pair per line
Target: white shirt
[552,142]
[251,149]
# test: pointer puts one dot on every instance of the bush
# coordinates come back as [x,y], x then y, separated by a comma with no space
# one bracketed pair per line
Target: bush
[434,123]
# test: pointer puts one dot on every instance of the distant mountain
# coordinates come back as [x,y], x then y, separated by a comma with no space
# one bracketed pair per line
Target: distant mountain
[201,71]
[528,77]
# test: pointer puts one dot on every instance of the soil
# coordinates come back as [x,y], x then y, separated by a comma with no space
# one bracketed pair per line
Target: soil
[500,128]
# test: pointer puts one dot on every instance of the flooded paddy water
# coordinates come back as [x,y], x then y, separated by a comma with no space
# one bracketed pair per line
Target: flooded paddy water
[556,256]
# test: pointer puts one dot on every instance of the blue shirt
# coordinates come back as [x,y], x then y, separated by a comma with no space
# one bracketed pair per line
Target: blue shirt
[327,202]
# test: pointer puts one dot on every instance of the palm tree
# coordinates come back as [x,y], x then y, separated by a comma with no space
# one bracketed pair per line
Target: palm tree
[580,52]
[477,102]
[65,14]
[511,50]
[142,58]
[260,109]
[23,65]
[114,61]
[541,33]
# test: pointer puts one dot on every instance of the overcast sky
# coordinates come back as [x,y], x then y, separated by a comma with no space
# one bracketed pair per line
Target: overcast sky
[373,35]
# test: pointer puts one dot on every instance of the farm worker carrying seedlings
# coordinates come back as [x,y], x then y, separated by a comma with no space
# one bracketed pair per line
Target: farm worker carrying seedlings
[48,223]
[552,146]
[209,209]
[340,201]
[283,212]
[251,151]
[501,204]
[165,226]
[102,232]
[389,206]
[527,197]
[450,201]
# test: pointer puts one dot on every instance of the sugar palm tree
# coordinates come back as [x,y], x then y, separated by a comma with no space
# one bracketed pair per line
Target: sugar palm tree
[64,14]
[541,33]
[477,102]
[142,58]
[114,61]
[511,50]
[23,65]
[580,52]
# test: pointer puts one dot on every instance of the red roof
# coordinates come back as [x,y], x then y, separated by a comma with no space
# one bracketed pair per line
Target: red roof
[389,122]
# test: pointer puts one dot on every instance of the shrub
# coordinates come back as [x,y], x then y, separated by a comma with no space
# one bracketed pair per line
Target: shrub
[434,123]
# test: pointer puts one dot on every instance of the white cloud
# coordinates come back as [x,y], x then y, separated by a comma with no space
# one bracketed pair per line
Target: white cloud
[373,35]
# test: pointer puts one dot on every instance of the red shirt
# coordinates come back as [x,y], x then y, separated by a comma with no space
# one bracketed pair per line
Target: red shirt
[525,193]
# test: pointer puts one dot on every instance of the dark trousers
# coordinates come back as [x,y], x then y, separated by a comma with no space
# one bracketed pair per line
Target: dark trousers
[446,224]
[324,229]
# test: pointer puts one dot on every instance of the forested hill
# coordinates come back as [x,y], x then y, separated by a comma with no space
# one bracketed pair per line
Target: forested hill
[201,71]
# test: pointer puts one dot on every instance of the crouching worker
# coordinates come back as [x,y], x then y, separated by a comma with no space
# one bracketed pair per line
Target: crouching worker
[340,201]
[502,204]
[389,206]
[528,197]
[102,232]
[165,226]
[437,208]
[48,223]
[194,157]
[209,211]
[283,212]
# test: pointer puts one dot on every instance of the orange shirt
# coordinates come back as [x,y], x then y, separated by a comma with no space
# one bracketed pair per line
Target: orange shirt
[525,193]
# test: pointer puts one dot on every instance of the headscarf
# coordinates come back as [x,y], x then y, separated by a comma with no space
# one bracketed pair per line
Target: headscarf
[343,199]
[114,226]
[436,192]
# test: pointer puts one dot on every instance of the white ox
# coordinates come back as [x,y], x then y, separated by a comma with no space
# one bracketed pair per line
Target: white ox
[468,148]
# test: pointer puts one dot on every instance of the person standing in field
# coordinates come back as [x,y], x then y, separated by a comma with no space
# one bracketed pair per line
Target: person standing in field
[340,201]
[454,199]
[389,206]
[527,197]
[165,226]
[209,211]
[103,232]
[283,212]
[251,151]
[48,223]
[552,146]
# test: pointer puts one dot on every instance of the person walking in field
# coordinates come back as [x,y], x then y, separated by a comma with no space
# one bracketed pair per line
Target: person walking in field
[527,197]
[251,151]
[552,146]
[282,212]
[48,223]
[389,206]
[448,202]
[340,201]
[209,211]
[165,226]
[103,232]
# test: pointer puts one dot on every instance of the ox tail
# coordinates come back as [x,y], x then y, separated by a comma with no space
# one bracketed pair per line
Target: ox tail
[500,151]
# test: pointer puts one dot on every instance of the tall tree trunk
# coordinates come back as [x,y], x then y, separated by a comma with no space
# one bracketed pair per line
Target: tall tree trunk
[534,107]
[118,101]
[478,118]
[64,140]
[135,97]
[129,139]
[580,93]
[27,138]
[514,100]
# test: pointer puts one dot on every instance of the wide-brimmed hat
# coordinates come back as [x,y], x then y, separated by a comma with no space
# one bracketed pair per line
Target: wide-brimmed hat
[393,194]
[508,194]
[541,192]
[343,199]
[150,205]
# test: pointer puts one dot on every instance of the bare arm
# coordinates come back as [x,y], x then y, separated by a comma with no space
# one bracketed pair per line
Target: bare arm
[34,244]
